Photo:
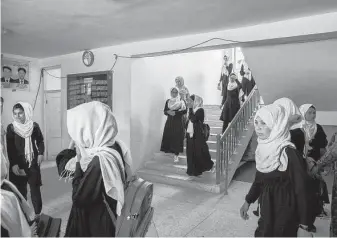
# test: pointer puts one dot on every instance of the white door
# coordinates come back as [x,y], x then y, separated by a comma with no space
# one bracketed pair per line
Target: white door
[53,124]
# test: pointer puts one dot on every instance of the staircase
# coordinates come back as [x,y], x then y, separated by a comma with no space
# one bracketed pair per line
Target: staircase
[162,169]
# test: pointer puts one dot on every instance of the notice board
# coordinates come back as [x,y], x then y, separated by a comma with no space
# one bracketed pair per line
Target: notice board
[86,87]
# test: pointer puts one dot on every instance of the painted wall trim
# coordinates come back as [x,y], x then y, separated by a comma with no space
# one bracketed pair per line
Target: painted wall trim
[327,118]
[267,42]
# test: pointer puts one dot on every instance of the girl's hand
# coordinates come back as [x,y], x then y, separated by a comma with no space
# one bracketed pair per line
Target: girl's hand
[39,159]
[244,211]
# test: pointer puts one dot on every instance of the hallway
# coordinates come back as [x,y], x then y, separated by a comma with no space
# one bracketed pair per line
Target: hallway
[178,211]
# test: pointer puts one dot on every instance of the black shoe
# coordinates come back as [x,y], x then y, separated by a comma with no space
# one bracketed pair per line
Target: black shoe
[312,228]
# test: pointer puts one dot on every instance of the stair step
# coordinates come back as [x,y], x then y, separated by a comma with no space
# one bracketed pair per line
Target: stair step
[205,182]
[211,151]
[170,166]
[184,157]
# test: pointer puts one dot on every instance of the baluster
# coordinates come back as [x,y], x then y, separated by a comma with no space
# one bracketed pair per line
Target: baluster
[218,159]
[226,170]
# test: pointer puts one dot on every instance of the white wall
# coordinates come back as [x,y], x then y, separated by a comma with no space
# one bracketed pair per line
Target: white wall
[305,72]
[104,59]
[12,97]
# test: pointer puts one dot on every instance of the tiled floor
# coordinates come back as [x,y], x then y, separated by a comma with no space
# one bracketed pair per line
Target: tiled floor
[178,211]
[184,212]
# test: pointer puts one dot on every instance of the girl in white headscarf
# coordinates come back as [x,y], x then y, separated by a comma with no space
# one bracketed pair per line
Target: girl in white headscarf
[315,137]
[232,102]
[99,171]
[197,152]
[25,146]
[16,214]
[174,130]
[281,179]
[315,144]
[295,122]
[183,90]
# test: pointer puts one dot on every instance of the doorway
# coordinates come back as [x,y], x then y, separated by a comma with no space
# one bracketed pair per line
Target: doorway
[52,112]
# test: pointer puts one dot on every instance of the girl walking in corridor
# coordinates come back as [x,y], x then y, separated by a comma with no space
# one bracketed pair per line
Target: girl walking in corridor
[281,179]
[99,171]
[315,146]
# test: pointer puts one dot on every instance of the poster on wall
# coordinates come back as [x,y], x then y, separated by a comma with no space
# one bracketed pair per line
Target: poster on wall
[14,75]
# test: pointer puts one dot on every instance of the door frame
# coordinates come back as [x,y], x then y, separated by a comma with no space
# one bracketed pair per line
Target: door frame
[45,108]
[45,118]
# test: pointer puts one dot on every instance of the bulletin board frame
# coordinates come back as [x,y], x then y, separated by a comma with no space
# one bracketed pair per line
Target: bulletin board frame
[92,86]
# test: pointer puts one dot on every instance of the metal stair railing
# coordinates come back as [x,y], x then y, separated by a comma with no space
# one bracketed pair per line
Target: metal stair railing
[228,142]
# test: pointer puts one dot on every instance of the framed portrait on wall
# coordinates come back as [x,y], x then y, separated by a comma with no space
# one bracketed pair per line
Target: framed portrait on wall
[15,74]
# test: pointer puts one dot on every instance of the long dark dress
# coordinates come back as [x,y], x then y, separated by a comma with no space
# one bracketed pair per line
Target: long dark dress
[198,156]
[174,132]
[284,203]
[231,106]
[89,216]
[298,138]
[317,143]
[247,85]
[224,82]
[16,156]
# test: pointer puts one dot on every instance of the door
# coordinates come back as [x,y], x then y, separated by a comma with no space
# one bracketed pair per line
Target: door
[53,124]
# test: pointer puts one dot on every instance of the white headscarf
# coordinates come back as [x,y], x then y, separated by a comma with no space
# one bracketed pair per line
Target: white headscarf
[176,103]
[93,128]
[4,165]
[25,130]
[15,210]
[268,154]
[295,116]
[232,85]
[309,127]
[197,103]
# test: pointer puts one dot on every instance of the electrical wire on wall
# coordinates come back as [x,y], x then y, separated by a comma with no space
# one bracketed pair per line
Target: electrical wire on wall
[38,89]
[171,52]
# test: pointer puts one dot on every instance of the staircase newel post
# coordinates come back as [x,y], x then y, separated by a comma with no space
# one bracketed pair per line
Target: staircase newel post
[218,158]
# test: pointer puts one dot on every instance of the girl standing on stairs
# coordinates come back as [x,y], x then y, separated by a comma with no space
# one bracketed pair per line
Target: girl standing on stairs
[174,130]
[281,179]
[232,103]
[197,152]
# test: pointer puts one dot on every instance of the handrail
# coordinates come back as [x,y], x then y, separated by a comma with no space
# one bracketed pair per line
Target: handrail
[229,140]
[239,112]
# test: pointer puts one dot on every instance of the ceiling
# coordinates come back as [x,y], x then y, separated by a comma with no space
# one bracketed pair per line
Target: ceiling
[44,28]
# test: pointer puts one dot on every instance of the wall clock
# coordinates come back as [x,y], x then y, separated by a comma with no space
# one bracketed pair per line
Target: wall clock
[88,58]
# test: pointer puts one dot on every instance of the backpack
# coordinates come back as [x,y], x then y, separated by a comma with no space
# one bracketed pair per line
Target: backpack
[206,130]
[137,212]
[48,226]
